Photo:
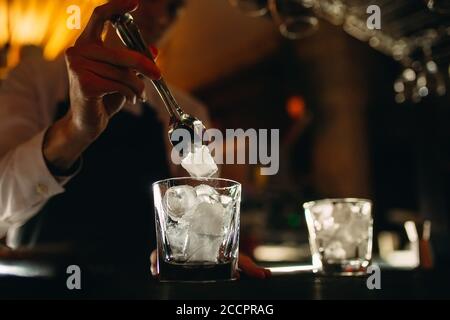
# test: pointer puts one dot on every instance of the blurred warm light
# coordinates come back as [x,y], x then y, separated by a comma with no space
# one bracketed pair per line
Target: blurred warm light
[3,23]
[403,259]
[41,23]
[291,269]
[279,253]
[260,180]
[388,243]
[296,107]
[24,270]
[62,37]
[29,21]
[411,231]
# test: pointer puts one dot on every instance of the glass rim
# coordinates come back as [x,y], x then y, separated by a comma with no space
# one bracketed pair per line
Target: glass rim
[232,182]
[310,204]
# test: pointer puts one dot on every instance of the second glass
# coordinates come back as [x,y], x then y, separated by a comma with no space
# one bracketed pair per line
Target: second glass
[340,235]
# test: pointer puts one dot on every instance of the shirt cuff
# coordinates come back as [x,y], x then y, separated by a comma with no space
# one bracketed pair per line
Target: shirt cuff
[63,179]
[34,169]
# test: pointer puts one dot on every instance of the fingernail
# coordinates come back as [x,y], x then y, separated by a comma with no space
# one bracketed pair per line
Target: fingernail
[144,96]
[131,4]
[154,51]
[153,271]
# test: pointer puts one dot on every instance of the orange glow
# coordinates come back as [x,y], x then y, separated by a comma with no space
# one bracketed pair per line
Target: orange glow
[260,180]
[41,23]
[3,23]
[296,107]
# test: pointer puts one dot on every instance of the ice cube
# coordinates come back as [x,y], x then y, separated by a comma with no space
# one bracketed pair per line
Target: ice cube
[342,213]
[177,235]
[228,205]
[207,194]
[203,247]
[323,214]
[322,211]
[205,189]
[179,200]
[225,200]
[335,251]
[207,219]
[358,228]
[199,163]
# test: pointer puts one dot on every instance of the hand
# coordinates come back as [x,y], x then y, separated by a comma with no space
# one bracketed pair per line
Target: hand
[101,81]
[246,266]
[249,268]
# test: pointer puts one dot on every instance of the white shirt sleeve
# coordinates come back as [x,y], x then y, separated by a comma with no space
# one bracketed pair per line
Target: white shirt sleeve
[28,98]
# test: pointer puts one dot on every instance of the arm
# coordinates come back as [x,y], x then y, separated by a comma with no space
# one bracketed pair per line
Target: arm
[100,81]
[25,182]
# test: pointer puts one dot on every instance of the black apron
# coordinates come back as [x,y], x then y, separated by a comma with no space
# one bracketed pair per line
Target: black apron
[107,209]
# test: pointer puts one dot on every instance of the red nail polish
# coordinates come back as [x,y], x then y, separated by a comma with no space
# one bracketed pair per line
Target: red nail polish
[131,4]
[154,51]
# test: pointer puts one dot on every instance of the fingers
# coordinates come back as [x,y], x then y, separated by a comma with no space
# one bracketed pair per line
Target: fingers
[118,57]
[250,269]
[101,14]
[117,74]
[95,86]
[267,272]
[153,262]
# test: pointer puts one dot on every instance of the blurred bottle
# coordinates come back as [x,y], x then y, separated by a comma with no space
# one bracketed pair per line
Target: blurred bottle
[425,249]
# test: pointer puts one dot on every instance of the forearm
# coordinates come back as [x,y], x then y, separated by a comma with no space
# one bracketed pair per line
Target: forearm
[64,143]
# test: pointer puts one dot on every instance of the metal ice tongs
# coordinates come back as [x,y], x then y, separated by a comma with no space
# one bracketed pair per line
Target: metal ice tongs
[130,35]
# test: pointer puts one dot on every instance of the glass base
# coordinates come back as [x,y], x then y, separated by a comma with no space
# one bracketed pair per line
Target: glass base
[344,268]
[197,271]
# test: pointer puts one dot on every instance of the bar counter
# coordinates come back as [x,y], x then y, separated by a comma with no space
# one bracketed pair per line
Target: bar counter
[41,280]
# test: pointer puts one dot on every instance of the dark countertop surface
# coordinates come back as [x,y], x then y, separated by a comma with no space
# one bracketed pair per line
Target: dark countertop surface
[41,280]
